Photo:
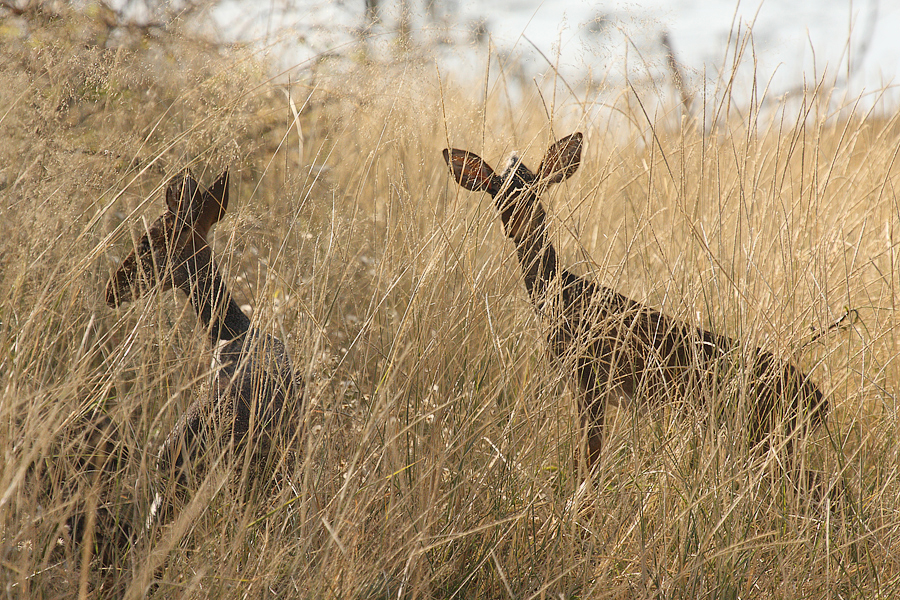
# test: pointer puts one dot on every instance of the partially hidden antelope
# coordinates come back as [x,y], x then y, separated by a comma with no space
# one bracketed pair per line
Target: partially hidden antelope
[616,348]
[252,396]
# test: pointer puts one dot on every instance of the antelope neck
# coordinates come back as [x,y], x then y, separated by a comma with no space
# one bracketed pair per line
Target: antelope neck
[537,256]
[214,304]
[539,263]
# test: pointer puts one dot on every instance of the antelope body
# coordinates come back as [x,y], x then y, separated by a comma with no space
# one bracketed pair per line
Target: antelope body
[614,347]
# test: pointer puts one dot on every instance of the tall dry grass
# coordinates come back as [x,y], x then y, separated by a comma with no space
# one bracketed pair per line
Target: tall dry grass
[438,454]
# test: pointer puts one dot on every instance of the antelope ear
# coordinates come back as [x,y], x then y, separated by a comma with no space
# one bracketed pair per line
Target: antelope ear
[471,172]
[561,160]
[182,197]
[213,205]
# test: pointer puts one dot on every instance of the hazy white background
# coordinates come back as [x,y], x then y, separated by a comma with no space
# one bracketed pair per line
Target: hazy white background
[853,45]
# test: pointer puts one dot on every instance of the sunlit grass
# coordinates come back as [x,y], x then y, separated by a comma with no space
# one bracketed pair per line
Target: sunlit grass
[438,459]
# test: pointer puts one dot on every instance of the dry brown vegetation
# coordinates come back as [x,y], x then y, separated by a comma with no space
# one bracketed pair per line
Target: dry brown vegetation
[438,456]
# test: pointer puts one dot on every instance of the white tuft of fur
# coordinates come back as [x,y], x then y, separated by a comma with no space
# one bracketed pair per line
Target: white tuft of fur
[512,161]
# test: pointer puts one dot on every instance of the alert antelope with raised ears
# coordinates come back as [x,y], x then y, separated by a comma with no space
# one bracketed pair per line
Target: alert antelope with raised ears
[617,348]
[252,396]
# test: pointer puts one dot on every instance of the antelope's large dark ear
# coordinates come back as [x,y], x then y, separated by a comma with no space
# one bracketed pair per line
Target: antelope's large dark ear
[183,197]
[561,160]
[214,205]
[471,172]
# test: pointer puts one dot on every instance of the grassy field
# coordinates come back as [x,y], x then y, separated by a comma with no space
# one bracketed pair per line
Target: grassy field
[437,460]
